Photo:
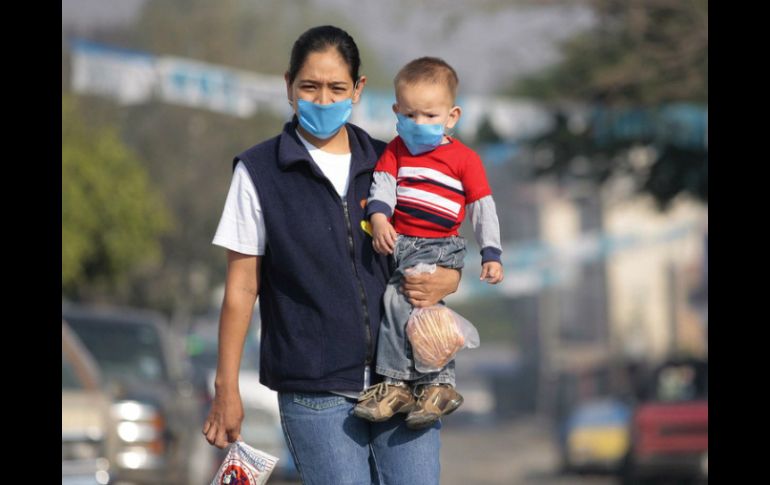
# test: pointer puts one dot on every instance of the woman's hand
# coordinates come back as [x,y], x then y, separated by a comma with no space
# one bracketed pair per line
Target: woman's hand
[426,289]
[223,424]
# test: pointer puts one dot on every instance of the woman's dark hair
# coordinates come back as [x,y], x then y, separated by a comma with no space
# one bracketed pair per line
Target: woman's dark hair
[318,39]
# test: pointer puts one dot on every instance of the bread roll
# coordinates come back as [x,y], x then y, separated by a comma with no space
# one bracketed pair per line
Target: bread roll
[434,336]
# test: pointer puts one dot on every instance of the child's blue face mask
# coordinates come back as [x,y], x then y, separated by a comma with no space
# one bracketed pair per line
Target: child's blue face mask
[418,138]
[323,120]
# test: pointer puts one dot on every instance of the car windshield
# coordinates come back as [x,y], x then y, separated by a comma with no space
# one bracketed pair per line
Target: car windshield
[69,379]
[202,348]
[683,382]
[123,350]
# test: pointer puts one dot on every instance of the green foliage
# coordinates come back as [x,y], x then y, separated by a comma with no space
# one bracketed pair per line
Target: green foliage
[641,58]
[639,53]
[486,132]
[111,215]
[675,167]
[188,152]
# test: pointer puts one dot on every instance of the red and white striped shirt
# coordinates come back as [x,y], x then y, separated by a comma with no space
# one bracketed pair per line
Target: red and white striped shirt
[433,188]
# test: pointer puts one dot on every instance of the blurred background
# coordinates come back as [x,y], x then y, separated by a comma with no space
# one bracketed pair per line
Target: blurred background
[591,117]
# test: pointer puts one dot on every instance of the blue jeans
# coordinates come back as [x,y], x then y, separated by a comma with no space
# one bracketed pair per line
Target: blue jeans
[330,446]
[394,352]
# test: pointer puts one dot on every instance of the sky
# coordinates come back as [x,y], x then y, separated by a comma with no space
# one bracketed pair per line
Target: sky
[489,45]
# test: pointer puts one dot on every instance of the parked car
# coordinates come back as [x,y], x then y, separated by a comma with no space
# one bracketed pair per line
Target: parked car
[261,427]
[153,410]
[87,432]
[595,436]
[669,428]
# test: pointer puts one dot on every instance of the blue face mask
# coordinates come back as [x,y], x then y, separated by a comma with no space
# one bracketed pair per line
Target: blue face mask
[418,138]
[323,120]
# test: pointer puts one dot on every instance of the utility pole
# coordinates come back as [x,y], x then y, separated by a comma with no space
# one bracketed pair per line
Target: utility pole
[673,323]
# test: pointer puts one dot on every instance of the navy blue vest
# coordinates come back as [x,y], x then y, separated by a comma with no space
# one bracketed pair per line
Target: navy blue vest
[321,282]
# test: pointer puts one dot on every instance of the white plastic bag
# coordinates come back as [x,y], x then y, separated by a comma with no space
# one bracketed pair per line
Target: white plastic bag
[437,333]
[245,465]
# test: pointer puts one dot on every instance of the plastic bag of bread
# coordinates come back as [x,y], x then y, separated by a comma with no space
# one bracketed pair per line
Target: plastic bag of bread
[244,465]
[437,334]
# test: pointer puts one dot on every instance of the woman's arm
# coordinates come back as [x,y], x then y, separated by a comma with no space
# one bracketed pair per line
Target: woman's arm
[427,289]
[223,424]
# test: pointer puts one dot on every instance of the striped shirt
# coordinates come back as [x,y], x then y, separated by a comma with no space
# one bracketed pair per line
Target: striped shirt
[432,189]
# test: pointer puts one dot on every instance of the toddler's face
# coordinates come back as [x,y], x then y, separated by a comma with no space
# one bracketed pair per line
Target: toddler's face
[426,103]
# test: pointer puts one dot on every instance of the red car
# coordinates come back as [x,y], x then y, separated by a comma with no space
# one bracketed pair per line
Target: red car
[669,428]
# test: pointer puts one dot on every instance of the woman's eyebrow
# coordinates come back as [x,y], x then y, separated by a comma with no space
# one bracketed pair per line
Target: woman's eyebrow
[330,83]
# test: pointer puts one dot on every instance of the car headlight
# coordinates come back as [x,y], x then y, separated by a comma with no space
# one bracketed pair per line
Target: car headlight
[133,411]
[137,457]
[141,425]
[132,432]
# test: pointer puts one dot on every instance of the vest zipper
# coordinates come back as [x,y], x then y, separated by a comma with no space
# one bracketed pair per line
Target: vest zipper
[367,328]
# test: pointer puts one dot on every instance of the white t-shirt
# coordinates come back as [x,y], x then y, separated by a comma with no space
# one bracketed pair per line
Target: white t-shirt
[242,228]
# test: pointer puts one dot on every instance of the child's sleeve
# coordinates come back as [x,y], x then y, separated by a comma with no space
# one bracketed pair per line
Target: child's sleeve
[382,194]
[486,228]
[481,209]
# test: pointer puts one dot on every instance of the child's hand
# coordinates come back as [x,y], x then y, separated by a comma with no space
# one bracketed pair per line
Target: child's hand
[492,271]
[383,234]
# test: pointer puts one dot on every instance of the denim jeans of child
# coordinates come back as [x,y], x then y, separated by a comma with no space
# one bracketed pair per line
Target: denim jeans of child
[394,352]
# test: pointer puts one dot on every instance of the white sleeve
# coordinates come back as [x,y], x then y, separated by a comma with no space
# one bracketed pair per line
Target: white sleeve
[242,227]
[382,194]
[486,227]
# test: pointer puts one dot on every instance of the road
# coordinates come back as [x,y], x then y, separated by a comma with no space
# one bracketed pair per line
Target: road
[518,452]
[510,453]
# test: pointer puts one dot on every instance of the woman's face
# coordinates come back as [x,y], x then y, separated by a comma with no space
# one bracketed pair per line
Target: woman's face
[324,79]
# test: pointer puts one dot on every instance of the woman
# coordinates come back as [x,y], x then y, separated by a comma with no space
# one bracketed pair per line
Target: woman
[292,227]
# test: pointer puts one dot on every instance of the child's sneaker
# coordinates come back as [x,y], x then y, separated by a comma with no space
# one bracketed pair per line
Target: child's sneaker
[383,400]
[433,401]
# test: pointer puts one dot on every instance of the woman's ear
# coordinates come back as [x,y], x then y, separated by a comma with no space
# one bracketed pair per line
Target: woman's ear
[358,89]
[395,108]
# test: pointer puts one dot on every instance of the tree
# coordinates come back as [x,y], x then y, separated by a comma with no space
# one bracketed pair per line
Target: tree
[111,215]
[188,152]
[642,58]
[640,53]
